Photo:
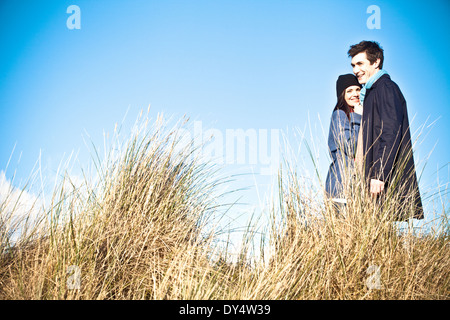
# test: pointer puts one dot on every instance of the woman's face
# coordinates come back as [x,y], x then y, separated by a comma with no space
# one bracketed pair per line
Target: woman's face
[352,95]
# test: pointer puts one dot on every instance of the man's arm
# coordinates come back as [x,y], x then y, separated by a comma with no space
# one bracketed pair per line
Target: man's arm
[388,111]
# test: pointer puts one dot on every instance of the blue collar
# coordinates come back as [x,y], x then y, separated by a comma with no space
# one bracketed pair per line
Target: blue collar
[369,84]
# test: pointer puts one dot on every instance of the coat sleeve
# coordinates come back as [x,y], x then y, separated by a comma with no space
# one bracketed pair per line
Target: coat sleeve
[387,129]
[345,131]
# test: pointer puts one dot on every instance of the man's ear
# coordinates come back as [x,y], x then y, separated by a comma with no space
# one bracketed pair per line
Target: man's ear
[377,64]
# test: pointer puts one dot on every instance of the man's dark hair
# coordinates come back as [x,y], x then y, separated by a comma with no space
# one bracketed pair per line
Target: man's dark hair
[372,50]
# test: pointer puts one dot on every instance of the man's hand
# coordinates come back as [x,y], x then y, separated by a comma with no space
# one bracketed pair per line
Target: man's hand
[376,186]
[358,109]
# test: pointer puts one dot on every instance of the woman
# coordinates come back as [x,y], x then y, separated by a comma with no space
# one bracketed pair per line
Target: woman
[343,136]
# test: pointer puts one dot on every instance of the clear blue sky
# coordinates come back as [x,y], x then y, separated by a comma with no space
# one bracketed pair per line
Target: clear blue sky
[230,64]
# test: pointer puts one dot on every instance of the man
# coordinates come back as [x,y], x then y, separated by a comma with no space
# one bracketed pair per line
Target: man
[385,148]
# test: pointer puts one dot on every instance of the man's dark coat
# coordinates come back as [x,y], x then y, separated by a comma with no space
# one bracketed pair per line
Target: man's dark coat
[387,146]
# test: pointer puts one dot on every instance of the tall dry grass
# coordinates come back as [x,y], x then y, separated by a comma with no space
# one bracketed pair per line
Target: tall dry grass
[144,229]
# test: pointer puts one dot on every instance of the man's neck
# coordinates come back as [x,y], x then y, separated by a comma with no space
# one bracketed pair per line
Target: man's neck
[376,71]
[373,78]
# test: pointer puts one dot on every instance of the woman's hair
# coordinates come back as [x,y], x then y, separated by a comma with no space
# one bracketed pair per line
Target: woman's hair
[343,105]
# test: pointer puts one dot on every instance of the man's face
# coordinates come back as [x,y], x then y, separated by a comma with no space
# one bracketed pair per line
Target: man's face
[362,68]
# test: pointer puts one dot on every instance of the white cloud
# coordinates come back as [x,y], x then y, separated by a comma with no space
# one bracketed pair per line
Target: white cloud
[18,208]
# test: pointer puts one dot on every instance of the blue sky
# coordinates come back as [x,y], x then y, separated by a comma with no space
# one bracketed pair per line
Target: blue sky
[229,64]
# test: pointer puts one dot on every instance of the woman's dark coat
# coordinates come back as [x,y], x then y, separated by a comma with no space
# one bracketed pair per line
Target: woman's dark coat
[387,146]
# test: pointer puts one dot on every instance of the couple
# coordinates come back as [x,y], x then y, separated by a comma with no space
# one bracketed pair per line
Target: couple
[369,131]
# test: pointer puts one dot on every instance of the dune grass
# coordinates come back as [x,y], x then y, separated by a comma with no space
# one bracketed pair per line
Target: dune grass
[144,228]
